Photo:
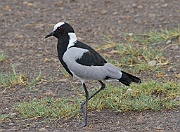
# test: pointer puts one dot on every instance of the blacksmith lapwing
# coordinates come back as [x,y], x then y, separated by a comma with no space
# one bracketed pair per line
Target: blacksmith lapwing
[83,62]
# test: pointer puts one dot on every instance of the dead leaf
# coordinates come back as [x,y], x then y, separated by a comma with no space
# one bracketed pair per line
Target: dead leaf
[177,75]
[160,75]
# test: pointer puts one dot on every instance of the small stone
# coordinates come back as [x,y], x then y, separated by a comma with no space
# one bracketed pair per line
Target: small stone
[134,5]
[175,47]
[140,7]
[43,129]
[49,93]
[103,12]
[130,34]
[11,124]
[152,63]
[171,69]
[176,56]
[115,13]
[12,129]
[19,36]
[40,48]
[177,98]
[152,15]
[140,119]
[168,42]
[13,115]
[63,80]
[165,5]
[159,129]
[60,3]
[129,90]
[17,64]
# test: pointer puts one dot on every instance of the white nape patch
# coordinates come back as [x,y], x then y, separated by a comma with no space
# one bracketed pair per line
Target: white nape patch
[72,39]
[58,25]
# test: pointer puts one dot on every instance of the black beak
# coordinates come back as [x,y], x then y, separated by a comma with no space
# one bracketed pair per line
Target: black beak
[49,35]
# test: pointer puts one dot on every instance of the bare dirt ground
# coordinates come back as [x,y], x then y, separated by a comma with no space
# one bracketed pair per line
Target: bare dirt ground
[25,23]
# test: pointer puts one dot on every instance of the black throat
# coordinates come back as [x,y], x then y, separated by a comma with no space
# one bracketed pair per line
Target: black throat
[61,48]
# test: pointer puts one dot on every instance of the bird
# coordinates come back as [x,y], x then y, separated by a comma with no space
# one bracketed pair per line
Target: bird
[84,63]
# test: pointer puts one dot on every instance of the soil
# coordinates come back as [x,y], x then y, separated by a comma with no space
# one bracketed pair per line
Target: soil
[24,24]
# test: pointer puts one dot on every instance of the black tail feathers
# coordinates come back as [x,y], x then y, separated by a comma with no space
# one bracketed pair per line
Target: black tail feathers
[127,79]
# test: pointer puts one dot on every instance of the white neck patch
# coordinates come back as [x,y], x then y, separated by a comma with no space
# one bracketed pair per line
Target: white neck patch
[72,39]
[58,25]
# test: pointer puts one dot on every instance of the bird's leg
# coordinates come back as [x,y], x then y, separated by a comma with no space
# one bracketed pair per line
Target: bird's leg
[102,87]
[86,101]
[84,112]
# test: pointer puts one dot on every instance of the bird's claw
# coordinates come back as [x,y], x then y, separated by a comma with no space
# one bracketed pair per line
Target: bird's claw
[82,124]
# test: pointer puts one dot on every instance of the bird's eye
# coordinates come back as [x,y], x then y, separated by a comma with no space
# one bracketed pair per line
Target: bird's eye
[59,28]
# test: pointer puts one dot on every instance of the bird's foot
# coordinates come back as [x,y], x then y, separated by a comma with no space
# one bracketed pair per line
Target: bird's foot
[82,124]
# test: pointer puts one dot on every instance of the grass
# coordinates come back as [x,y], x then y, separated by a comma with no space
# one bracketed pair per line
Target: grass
[4,117]
[141,52]
[155,37]
[136,55]
[12,79]
[2,56]
[138,58]
[36,80]
[48,107]
[150,95]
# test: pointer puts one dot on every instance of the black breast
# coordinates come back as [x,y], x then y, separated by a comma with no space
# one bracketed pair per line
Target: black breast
[61,48]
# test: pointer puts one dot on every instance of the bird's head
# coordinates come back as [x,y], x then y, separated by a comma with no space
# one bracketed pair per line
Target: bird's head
[61,29]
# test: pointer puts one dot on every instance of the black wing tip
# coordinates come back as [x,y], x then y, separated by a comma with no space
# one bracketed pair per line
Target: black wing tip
[136,79]
[127,79]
